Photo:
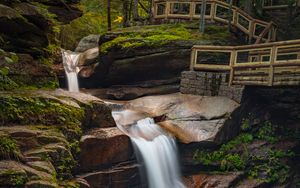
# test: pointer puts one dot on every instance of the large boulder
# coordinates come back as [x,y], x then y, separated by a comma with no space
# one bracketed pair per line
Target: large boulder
[23,36]
[124,175]
[88,42]
[107,145]
[130,66]
[190,118]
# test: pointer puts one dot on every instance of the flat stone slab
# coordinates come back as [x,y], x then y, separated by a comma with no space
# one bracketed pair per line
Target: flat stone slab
[190,118]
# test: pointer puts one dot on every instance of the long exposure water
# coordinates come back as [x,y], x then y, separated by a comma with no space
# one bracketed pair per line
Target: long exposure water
[158,152]
[155,148]
[70,62]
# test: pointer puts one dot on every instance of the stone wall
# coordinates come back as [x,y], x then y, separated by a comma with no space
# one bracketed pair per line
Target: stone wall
[209,84]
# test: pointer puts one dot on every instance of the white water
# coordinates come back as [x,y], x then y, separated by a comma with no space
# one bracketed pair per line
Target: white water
[70,62]
[158,152]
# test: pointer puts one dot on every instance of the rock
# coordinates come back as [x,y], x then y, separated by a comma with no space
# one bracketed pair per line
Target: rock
[89,110]
[191,118]
[213,181]
[65,13]
[9,169]
[34,73]
[122,176]
[40,184]
[32,14]
[24,36]
[251,183]
[129,93]
[88,61]
[107,145]
[42,166]
[82,183]
[130,66]
[88,42]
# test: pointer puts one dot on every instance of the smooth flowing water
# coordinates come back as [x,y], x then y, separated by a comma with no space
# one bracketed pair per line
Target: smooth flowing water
[70,62]
[158,152]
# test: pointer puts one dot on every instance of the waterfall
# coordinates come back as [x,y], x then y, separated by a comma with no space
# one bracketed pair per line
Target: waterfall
[158,152]
[70,62]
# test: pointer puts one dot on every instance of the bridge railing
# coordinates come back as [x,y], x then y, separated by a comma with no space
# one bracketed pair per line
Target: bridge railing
[278,4]
[268,64]
[219,11]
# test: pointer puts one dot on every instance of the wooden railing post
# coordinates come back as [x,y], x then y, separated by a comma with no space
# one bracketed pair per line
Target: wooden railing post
[272,61]
[232,63]
[168,6]
[212,11]
[192,10]
[193,59]
[251,31]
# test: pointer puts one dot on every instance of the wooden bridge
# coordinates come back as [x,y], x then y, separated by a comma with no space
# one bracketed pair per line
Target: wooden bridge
[277,4]
[264,63]
[268,64]
[257,31]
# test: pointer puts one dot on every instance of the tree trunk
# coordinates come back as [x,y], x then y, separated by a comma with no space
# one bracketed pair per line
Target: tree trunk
[202,16]
[136,10]
[108,16]
[126,12]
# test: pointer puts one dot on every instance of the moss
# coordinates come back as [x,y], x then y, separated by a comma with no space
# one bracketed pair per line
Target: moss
[64,167]
[13,178]
[150,36]
[30,110]
[158,35]
[8,148]
[69,184]
[7,84]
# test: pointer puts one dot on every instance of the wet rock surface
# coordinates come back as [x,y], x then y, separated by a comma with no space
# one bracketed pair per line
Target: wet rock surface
[191,118]
[104,147]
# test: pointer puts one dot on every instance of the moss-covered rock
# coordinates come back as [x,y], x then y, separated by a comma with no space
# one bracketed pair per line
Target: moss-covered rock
[153,36]
[41,130]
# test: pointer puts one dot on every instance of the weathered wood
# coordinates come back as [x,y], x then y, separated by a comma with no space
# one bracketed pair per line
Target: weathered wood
[212,67]
[272,61]
[213,15]
[251,78]
[257,73]
[258,83]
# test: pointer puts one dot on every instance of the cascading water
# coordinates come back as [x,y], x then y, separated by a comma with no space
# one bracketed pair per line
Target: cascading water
[158,152]
[70,62]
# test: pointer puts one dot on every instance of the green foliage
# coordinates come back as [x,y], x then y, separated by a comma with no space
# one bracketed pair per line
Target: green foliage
[271,168]
[225,157]
[8,148]
[30,110]
[64,167]
[75,148]
[89,23]
[13,178]
[6,83]
[267,132]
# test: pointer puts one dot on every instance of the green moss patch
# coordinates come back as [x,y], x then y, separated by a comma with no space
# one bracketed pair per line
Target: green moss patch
[13,178]
[30,110]
[159,35]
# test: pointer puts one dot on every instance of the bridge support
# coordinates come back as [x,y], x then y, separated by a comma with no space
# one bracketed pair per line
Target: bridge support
[209,84]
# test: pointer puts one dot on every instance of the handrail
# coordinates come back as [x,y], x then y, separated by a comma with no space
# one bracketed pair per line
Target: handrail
[270,5]
[257,30]
[270,64]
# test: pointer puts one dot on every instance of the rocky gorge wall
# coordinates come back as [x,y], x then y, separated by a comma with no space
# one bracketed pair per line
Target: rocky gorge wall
[29,42]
